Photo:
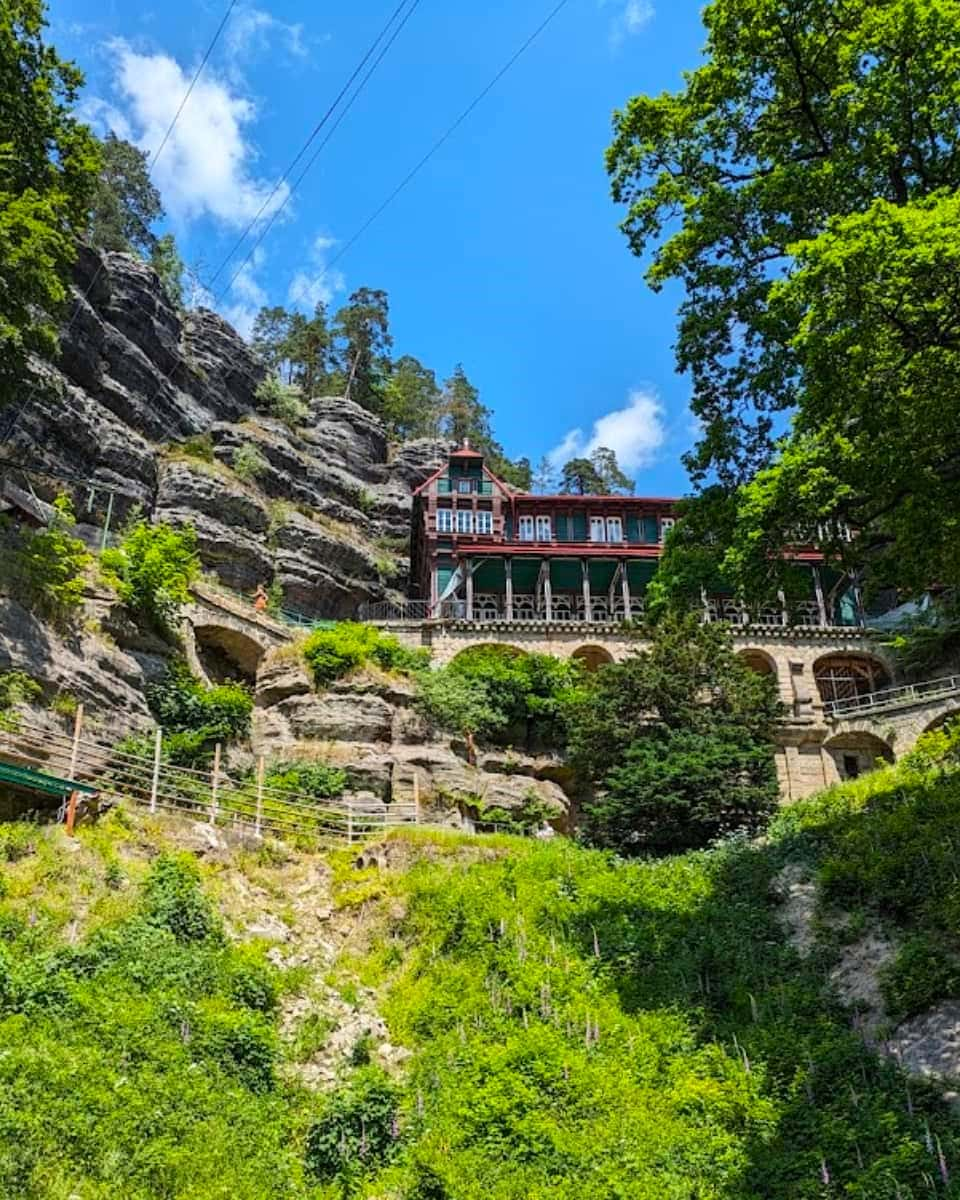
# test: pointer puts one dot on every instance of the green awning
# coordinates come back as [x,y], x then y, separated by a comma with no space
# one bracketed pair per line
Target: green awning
[29,780]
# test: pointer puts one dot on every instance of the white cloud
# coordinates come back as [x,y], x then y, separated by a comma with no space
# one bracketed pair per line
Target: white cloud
[635,433]
[316,284]
[632,17]
[206,168]
[252,29]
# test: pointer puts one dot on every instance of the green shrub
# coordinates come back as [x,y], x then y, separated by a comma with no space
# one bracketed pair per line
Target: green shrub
[248,463]
[200,447]
[283,401]
[174,900]
[922,974]
[318,780]
[193,717]
[334,653]
[46,569]
[357,1130]
[152,570]
[252,981]
[16,687]
[241,1042]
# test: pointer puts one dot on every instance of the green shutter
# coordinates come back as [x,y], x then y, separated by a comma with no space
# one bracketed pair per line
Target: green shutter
[633,529]
[579,527]
[651,530]
[443,578]
[561,529]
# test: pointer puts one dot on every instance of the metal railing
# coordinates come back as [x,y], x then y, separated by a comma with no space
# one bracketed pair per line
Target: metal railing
[898,697]
[242,605]
[216,795]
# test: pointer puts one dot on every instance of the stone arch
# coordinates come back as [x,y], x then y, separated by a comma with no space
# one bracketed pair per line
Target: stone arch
[944,718]
[846,676]
[226,653]
[759,661]
[854,753]
[592,657]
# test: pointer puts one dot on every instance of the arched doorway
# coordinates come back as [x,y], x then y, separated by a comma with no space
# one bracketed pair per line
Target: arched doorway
[850,755]
[227,654]
[759,661]
[841,677]
[592,657]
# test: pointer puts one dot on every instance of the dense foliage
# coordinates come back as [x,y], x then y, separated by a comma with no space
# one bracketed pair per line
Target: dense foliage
[194,718]
[125,201]
[334,653]
[677,741]
[152,570]
[499,694]
[48,165]
[812,162]
[598,475]
[318,780]
[140,1061]
[46,569]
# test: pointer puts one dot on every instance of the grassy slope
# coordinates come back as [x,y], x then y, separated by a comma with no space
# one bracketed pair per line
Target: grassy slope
[578,1027]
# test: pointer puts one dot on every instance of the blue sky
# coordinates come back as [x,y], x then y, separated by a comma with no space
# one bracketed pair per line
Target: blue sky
[503,254]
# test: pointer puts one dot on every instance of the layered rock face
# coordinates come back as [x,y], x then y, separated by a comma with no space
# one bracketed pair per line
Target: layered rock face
[325,514]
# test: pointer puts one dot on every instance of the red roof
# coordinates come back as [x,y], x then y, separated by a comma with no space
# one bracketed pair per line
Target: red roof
[465,453]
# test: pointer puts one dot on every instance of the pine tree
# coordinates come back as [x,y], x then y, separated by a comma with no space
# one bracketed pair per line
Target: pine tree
[125,204]
[362,330]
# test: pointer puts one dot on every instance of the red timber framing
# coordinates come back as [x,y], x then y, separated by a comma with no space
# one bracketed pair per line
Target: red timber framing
[482,551]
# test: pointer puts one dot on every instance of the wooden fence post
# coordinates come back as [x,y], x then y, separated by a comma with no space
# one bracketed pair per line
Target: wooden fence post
[155,782]
[72,812]
[215,784]
[259,822]
[75,749]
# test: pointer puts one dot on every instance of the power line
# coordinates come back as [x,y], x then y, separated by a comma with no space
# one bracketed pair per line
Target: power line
[307,144]
[449,133]
[165,139]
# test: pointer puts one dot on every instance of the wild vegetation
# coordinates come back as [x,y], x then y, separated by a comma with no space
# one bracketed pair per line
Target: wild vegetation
[46,568]
[152,570]
[334,653]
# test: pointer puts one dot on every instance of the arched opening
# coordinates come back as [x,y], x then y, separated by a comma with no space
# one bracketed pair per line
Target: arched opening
[947,718]
[592,657]
[484,652]
[226,654]
[758,661]
[848,676]
[851,755]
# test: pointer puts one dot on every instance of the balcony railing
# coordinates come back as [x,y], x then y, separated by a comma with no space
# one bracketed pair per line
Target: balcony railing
[898,697]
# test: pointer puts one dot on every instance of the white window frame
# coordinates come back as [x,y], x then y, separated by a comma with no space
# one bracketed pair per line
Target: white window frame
[484,521]
[525,529]
[465,487]
[666,524]
[465,520]
[444,520]
[614,529]
[544,528]
[598,526]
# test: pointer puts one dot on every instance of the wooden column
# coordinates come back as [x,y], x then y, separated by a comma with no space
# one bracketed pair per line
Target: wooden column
[587,604]
[821,601]
[508,576]
[547,592]
[625,585]
[469,571]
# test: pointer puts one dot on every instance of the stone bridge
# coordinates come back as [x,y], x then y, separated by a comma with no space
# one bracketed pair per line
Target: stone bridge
[222,633]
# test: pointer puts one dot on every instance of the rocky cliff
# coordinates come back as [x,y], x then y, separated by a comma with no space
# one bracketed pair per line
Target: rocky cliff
[326,512]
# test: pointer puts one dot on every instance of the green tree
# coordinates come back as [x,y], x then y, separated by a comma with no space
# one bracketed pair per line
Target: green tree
[580,477]
[48,166]
[270,338]
[544,477]
[800,114]
[46,568]
[125,203]
[463,415]
[612,479]
[411,400]
[516,472]
[308,346]
[166,261]
[362,330]
[676,742]
[152,570]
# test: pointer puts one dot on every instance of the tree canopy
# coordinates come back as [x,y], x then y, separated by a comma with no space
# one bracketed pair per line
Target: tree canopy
[676,742]
[811,160]
[598,475]
[125,201]
[48,166]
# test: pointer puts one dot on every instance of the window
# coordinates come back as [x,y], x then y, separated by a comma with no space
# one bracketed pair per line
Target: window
[464,520]
[544,529]
[484,521]
[666,524]
[598,529]
[444,520]
[525,529]
[614,529]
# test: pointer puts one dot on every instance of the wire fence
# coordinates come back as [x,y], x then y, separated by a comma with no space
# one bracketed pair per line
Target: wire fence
[224,798]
